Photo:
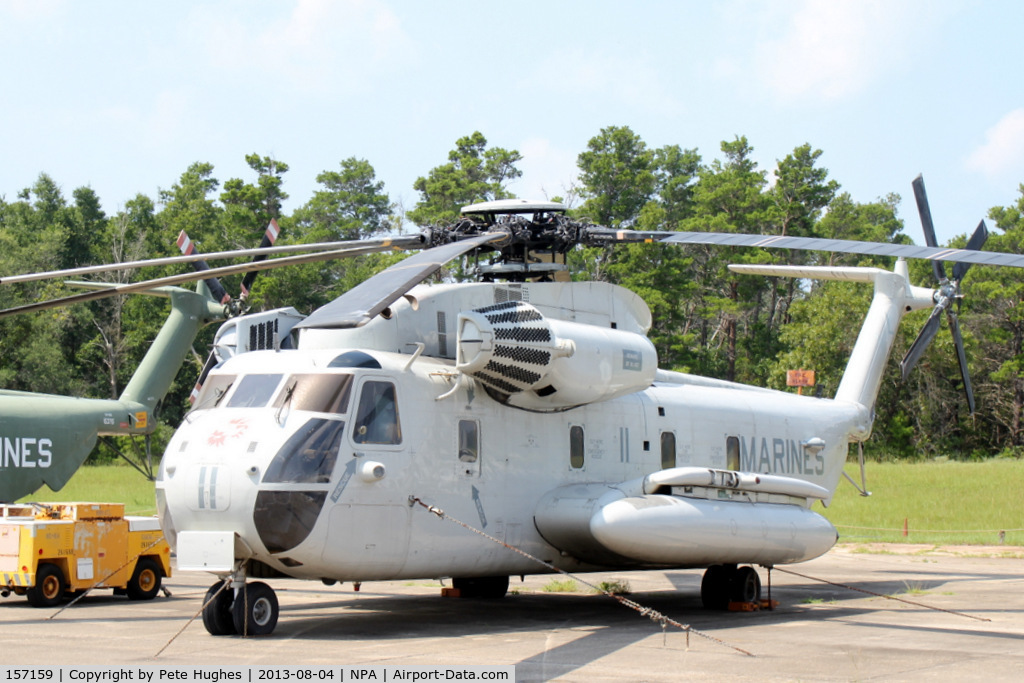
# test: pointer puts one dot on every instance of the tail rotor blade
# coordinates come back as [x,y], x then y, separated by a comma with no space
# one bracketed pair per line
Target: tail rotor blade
[976,242]
[210,364]
[926,223]
[216,288]
[269,237]
[924,338]
[958,342]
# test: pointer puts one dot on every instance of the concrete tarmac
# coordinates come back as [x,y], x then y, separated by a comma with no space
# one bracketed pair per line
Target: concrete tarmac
[819,631]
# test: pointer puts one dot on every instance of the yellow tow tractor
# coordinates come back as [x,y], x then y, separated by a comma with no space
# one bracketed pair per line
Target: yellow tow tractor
[56,550]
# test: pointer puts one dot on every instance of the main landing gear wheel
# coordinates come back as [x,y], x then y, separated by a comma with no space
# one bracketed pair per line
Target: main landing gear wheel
[481,586]
[746,585]
[217,613]
[49,587]
[255,610]
[725,583]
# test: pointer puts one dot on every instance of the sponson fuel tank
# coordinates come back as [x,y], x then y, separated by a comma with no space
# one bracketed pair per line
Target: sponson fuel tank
[606,524]
[543,363]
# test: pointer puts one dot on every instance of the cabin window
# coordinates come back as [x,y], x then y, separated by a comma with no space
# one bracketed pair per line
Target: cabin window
[668,450]
[309,455]
[377,415]
[213,390]
[576,447]
[469,441]
[254,391]
[732,453]
[319,393]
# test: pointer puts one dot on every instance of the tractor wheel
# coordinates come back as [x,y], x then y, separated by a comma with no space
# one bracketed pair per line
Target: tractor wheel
[145,581]
[49,586]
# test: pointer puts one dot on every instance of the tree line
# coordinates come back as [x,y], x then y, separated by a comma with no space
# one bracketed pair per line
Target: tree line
[707,320]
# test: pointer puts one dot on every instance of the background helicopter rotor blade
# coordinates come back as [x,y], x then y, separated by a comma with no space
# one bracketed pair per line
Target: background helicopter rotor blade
[377,246]
[363,302]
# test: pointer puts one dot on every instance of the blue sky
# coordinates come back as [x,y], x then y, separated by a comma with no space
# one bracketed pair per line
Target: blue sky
[123,96]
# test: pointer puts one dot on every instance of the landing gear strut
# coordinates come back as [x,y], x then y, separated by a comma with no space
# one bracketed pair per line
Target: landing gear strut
[725,583]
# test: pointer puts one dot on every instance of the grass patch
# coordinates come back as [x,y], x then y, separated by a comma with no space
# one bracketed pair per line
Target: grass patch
[560,586]
[943,503]
[615,587]
[104,484]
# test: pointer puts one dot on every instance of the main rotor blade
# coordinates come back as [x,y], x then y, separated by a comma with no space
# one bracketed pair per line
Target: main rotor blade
[728,239]
[929,227]
[410,242]
[976,242]
[362,303]
[213,272]
[961,356]
[924,338]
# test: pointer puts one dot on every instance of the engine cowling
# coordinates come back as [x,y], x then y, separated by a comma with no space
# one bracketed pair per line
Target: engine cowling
[544,363]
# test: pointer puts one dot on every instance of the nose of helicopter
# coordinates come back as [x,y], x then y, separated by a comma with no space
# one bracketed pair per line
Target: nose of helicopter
[266,483]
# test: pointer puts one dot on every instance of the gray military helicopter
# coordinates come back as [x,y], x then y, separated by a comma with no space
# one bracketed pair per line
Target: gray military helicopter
[527,404]
[45,438]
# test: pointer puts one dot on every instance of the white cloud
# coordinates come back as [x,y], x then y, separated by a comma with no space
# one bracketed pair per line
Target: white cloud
[625,78]
[317,45]
[832,49]
[1003,150]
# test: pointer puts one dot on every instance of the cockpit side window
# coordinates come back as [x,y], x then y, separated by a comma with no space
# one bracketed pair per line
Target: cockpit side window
[213,390]
[320,393]
[254,391]
[309,455]
[377,415]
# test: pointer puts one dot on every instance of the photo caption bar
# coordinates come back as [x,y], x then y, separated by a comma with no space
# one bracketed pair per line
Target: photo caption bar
[252,674]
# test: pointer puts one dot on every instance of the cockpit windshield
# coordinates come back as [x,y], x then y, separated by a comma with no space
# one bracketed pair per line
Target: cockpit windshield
[213,390]
[254,391]
[320,393]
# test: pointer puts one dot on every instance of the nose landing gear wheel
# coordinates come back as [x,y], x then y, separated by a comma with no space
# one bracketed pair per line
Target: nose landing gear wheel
[255,610]
[217,614]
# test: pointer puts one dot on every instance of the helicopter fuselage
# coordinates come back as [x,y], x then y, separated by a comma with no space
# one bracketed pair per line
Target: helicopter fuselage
[310,460]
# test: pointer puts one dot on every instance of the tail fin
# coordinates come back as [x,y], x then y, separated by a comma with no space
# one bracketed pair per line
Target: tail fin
[189,312]
[894,296]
